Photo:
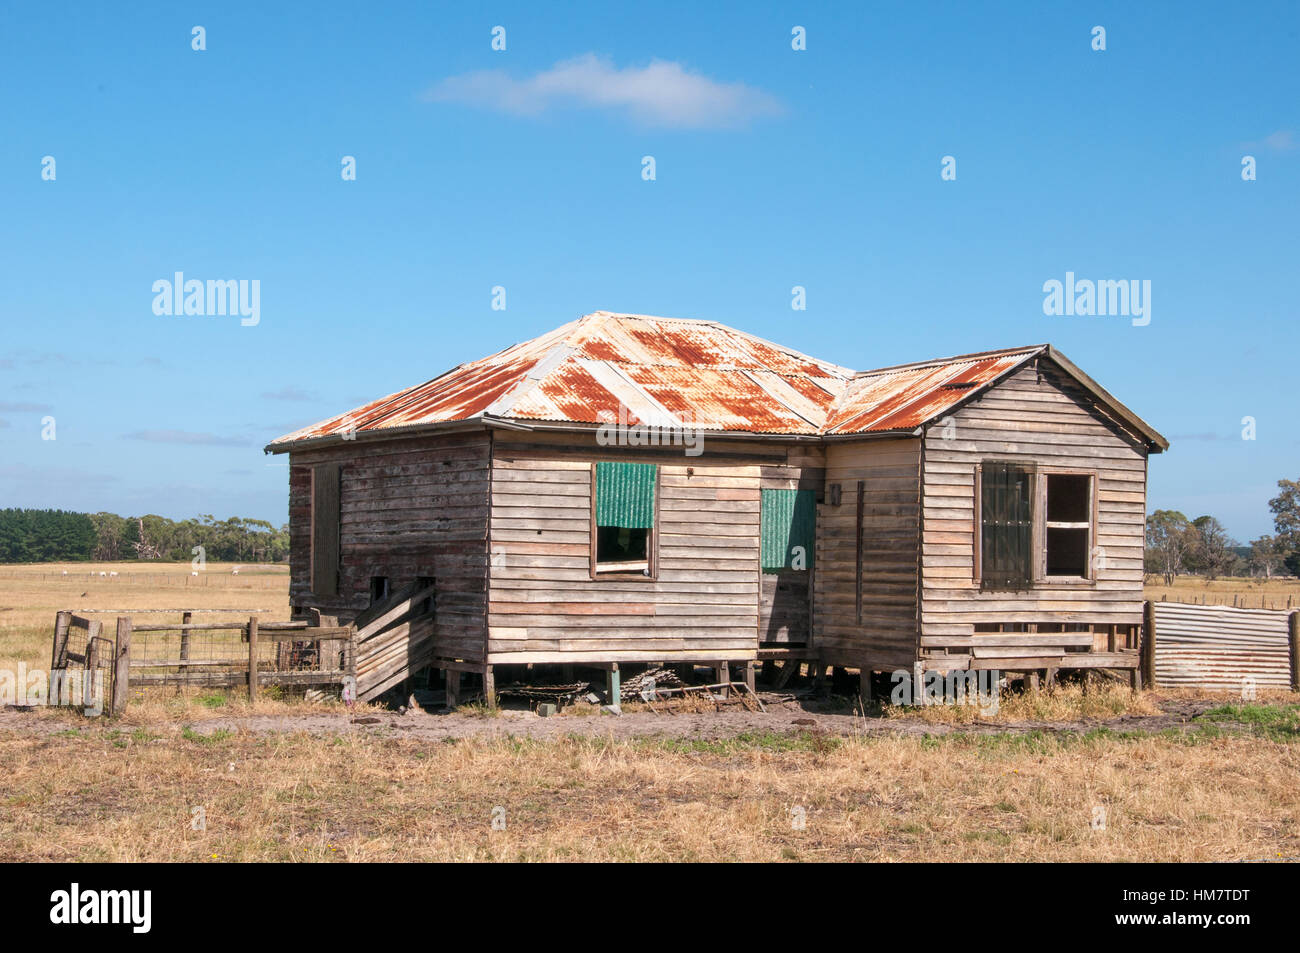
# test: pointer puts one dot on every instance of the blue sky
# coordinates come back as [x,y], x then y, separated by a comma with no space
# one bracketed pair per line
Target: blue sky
[774,168]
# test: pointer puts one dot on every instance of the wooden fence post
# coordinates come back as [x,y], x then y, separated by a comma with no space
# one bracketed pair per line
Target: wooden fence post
[185,640]
[121,667]
[252,658]
[1149,644]
[61,623]
[1293,629]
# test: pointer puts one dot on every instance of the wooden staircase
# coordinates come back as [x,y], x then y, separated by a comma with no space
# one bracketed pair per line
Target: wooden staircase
[394,639]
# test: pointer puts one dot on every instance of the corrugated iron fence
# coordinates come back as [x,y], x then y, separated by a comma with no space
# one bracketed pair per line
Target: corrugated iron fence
[1224,648]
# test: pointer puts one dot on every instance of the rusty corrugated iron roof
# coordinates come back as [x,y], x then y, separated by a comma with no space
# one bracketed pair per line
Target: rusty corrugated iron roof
[667,370]
[607,367]
[905,397]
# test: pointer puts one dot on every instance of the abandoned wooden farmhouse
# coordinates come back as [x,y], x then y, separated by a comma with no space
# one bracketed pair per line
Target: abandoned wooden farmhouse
[630,489]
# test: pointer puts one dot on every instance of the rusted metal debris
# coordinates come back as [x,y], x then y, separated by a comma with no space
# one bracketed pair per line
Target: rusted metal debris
[745,696]
[560,695]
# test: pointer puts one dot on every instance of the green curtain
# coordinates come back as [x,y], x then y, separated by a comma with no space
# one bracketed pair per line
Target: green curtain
[625,495]
[789,519]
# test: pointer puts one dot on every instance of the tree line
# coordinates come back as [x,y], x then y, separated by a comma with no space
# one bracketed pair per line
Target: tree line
[63,536]
[1176,545]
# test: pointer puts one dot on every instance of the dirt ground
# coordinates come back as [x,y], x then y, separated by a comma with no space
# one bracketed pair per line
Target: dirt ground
[785,713]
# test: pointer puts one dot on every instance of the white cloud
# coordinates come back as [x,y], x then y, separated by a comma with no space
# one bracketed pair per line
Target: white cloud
[186,436]
[1283,140]
[1280,141]
[661,94]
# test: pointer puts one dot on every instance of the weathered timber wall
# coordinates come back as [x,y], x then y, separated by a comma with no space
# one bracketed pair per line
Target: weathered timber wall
[1038,415]
[705,602]
[884,634]
[409,508]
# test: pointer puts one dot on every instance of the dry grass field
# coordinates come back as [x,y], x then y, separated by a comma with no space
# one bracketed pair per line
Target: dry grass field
[30,595]
[98,793]
[1249,593]
[1060,775]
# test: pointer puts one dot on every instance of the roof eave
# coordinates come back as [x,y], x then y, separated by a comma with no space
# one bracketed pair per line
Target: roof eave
[1156,442]
[369,436]
[561,426]
[487,422]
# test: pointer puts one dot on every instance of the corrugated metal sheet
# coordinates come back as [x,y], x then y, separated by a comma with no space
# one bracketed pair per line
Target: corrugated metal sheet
[625,495]
[789,519]
[606,367]
[904,398]
[1220,647]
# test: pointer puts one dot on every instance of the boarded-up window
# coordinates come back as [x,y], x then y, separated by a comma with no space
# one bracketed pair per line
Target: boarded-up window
[325,529]
[788,529]
[1006,526]
[625,495]
[624,516]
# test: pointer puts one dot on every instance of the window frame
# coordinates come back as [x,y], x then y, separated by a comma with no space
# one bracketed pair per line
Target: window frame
[650,573]
[1038,474]
[1041,526]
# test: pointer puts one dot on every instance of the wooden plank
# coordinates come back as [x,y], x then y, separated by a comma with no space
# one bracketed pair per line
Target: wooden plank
[62,622]
[1293,643]
[323,633]
[996,639]
[185,634]
[573,608]
[121,667]
[1067,660]
[197,627]
[326,526]
[383,614]
[857,571]
[1149,644]
[252,658]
